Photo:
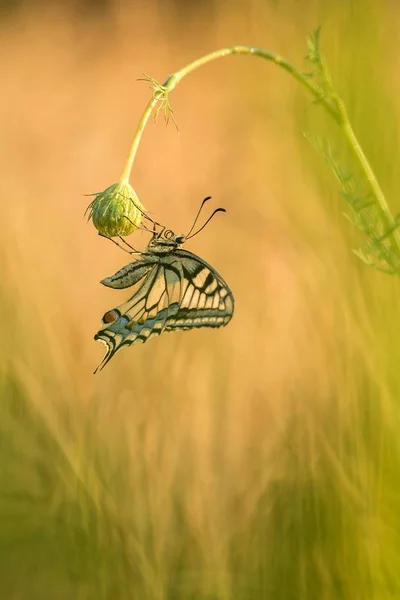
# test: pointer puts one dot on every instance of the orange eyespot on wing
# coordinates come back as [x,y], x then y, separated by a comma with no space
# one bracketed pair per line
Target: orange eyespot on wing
[111,316]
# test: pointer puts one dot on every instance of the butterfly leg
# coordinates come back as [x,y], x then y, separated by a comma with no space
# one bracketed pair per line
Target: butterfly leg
[149,218]
[146,216]
[143,227]
[157,234]
[129,246]
[115,242]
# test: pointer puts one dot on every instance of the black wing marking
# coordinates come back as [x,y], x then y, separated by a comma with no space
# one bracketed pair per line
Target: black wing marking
[129,275]
[206,300]
[178,292]
[142,316]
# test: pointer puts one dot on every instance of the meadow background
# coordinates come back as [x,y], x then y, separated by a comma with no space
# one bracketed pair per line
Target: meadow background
[260,461]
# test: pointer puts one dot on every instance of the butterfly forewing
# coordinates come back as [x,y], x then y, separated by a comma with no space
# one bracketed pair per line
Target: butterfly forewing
[177,290]
[128,275]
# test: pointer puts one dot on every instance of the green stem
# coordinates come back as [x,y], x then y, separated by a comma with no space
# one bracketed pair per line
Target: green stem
[369,174]
[332,103]
[173,80]
[345,125]
[266,55]
[136,139]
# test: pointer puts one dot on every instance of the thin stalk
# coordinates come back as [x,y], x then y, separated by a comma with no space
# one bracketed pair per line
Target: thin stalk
[266,55]
[370,176]
[331,102]
[136,139]
[355,147]
[173,80]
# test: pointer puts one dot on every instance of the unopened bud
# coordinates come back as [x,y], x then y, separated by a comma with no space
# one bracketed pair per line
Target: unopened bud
[117,211]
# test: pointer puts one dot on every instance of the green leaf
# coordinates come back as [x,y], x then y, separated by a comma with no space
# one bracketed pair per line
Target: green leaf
[313,44]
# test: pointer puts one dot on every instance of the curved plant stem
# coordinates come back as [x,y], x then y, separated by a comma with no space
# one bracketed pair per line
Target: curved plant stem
[173,80]
[136,139]
[370,175]
[348,131]
[266,55]
[330,101]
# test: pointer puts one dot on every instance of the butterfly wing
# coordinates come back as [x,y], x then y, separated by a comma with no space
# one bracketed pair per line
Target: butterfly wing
[206,299]
[143,315]
[178,291]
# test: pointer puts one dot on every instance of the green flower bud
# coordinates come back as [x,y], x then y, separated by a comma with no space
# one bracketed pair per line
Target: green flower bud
[117,211]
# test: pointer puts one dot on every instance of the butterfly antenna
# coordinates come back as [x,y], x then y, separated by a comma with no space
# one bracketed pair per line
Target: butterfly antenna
[217,210]
[197,216]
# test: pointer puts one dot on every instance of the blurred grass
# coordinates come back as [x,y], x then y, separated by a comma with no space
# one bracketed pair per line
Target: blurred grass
[260,461]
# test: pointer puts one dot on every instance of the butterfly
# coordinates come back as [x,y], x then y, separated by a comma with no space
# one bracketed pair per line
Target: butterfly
[177,290]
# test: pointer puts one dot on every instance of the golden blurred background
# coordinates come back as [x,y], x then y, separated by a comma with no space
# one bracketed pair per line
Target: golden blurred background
[260,461]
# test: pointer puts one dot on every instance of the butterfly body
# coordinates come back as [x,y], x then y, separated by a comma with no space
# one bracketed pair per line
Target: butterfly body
[177,290]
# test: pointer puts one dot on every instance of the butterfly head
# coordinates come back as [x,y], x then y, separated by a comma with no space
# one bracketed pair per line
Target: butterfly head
[166,242]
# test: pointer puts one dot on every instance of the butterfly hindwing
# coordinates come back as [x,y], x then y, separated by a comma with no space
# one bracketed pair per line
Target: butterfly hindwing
[206,300]
[177,290]
[137,319]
